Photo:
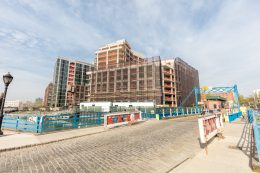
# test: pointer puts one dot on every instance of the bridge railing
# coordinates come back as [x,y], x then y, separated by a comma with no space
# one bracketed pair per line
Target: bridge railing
[46,123]
[21,122]
[233,116]
[256,127]
[70,121]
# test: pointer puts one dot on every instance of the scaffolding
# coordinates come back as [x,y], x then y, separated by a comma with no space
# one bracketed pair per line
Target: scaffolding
[131,81]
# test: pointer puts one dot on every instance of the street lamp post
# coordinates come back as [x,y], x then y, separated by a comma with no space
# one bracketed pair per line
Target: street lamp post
[7,80]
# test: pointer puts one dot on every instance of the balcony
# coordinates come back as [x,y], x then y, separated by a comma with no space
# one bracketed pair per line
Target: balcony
[168,98]
[167,91]
[167,72]
[167,85]
[167,79]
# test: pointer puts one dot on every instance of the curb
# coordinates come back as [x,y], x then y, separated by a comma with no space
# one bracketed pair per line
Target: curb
[180,117]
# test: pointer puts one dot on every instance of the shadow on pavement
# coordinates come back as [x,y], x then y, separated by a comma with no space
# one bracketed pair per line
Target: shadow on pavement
[246,143]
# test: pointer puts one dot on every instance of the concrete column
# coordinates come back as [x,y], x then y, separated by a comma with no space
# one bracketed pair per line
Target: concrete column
[115,80]
[129,69]
[145,78]
[107,79]
[137,78]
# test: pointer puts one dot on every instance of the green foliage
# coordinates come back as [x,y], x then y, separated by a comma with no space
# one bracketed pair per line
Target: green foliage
[246,101]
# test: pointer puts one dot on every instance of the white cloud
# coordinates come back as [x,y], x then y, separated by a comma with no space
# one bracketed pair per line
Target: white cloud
[219,38]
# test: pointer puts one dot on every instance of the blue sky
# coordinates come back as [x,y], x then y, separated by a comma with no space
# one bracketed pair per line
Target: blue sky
[219,38]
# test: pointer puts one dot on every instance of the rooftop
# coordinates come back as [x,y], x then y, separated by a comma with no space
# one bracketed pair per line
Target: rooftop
[216,98]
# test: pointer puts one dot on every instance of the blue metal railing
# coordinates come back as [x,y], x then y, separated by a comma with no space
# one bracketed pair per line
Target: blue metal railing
[256,127]
[249,115]
[46,123]
[234,116]
[70,121]
[23,123]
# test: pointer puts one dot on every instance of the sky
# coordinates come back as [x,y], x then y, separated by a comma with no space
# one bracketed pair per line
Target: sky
[219,38]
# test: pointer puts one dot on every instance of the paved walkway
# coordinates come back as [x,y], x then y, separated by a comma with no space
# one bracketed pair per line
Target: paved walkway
[231,154]
[152,146]
[13,140]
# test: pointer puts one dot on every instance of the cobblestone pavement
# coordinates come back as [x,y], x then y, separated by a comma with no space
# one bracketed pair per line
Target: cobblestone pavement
[152,146]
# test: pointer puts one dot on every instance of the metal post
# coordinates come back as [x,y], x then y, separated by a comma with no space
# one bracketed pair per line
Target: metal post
[75,120]
[37,124]
[99,118]
[17,123]
[196,98]
[2,109]
[163,111]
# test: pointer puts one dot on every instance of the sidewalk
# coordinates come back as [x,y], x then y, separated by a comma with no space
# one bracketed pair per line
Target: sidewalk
[231,154]
[12,140]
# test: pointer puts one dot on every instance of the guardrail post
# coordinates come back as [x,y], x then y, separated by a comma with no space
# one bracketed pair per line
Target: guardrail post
[17,123]
[163,112]
[99,119]
[75,120]
[37,124]
[42,123]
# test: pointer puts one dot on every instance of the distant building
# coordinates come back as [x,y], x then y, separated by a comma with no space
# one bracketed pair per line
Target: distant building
[48,95]
[215,102]
[257,97]
[12,103]
[70,83]
[221,100]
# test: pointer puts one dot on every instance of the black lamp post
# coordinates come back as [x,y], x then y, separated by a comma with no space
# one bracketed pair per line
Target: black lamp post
[7,80]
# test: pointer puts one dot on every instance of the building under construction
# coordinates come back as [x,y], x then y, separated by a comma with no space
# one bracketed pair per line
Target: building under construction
[121,74]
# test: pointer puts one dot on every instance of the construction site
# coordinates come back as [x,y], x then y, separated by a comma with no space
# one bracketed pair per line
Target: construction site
[123,75]
[120,74]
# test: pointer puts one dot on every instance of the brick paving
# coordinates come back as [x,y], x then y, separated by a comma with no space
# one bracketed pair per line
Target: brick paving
[152,146]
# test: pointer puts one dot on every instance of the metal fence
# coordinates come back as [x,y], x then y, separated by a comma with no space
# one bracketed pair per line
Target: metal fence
[256,127]
[234,116]
[47,123]
[249,115]
[21,122]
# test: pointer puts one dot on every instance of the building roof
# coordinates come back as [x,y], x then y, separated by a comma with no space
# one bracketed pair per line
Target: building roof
[216,98]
